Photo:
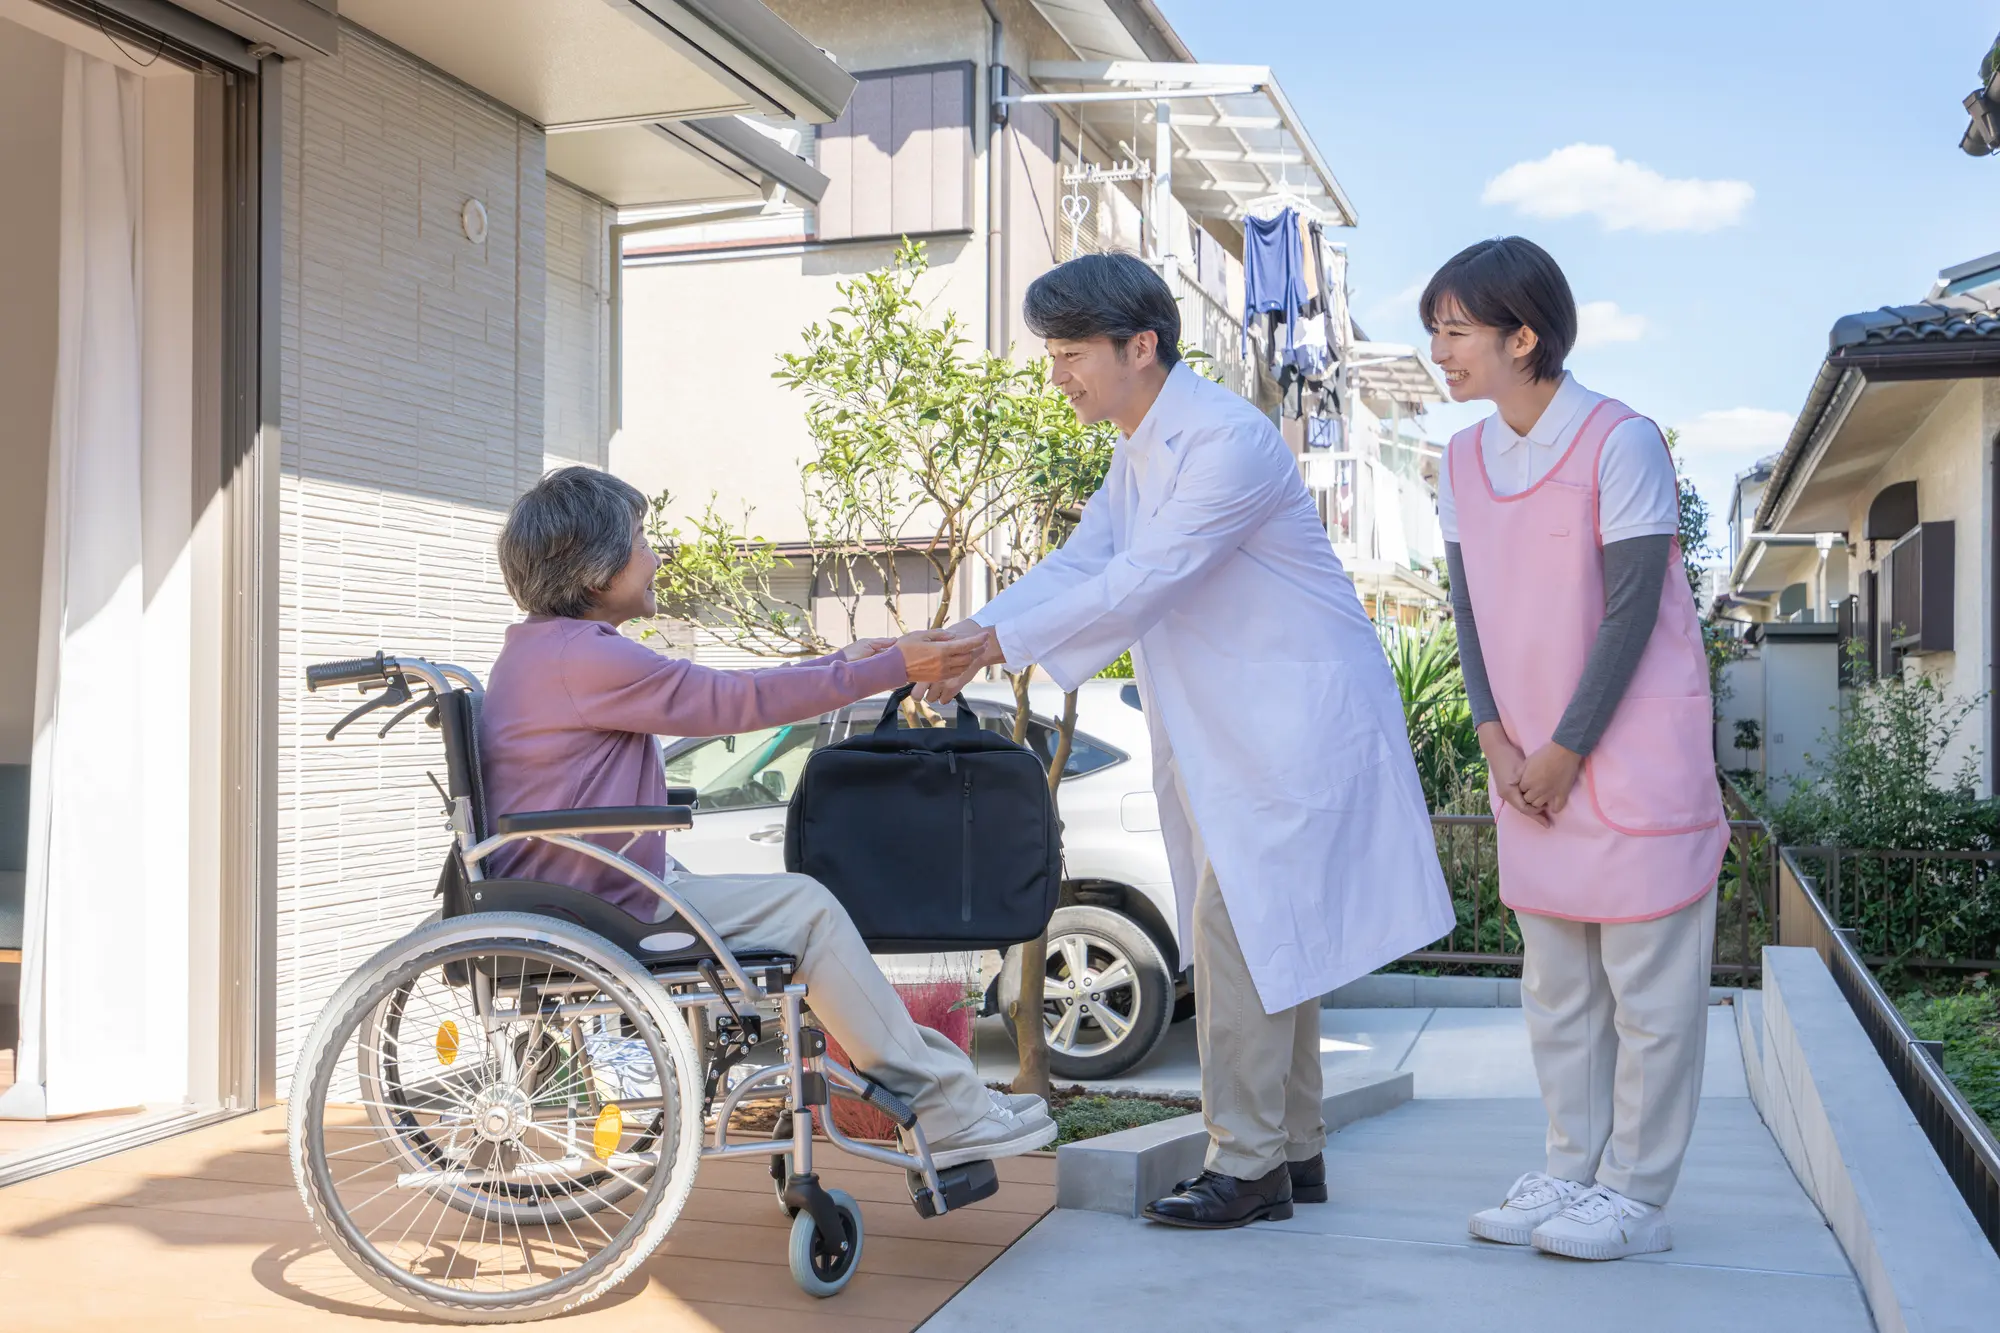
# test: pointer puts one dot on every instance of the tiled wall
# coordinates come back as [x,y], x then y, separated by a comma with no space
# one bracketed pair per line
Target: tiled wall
[415,409]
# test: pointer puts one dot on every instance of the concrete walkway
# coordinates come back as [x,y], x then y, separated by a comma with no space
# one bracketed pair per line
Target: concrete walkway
[1391,1253]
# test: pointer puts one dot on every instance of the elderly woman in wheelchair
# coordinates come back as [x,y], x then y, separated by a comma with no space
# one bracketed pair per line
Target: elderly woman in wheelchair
[500,1115]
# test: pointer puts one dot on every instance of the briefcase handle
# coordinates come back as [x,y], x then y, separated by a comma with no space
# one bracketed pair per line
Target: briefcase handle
[967,719]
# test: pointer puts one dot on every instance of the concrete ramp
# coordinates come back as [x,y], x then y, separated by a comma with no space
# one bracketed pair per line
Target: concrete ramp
[1390,1252]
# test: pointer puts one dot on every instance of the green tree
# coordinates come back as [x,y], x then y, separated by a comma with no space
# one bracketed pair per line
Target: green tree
[920,444]
[1696,551]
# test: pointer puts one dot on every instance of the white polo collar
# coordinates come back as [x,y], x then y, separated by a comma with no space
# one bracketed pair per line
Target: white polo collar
[1549,427]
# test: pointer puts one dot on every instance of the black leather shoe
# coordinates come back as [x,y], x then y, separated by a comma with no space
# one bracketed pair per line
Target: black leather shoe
[1215,1202]
[1308,1179]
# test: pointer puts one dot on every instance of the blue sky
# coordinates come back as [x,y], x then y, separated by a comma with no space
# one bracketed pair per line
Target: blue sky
[1773,165]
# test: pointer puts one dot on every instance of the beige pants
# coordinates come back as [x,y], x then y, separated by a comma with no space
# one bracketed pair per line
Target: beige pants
[1261,1081]
[1618,1022]
[846,991]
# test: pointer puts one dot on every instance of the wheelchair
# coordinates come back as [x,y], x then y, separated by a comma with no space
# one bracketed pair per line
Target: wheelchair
[499,1116]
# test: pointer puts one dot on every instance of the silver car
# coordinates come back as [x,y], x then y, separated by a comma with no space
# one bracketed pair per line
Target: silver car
[1112,987]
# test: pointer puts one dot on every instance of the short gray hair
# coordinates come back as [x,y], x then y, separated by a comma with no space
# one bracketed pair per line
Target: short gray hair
[568,536]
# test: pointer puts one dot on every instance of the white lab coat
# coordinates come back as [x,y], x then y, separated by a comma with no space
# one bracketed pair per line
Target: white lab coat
[1273,714]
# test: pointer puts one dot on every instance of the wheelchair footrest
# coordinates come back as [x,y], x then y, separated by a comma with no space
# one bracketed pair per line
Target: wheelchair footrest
[964,1184]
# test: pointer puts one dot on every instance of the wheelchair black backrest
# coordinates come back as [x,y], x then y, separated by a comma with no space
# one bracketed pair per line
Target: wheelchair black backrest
[458,718]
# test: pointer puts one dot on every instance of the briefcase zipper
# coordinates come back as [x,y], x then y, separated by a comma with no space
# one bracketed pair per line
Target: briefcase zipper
[965,852]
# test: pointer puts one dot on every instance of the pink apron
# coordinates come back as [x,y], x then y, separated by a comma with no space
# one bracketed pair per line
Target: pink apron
[1644,832]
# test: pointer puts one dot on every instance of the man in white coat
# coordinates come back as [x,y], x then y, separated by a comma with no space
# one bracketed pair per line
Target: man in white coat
[1300,842]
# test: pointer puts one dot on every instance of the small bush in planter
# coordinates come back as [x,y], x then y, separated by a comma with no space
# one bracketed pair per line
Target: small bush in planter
[938,1005]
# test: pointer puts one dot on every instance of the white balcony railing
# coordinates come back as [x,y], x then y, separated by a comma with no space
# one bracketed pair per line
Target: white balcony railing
[1370,511]
[1208,324]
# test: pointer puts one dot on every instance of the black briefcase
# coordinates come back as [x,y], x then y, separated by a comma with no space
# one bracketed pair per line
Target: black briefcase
[934,839]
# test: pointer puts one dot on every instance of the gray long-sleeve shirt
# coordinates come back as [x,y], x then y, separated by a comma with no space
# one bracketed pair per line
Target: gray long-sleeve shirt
[1635,572]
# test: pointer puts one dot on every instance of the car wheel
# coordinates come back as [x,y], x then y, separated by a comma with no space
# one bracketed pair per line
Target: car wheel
[1107,994]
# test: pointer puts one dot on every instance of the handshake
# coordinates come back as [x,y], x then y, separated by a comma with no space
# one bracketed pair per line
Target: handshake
[939,661]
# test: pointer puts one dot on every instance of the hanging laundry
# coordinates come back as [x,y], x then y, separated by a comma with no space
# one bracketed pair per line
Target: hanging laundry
[1274,279]
[1310,351]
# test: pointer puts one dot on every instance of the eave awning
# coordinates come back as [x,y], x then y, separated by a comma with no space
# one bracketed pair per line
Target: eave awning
[577,64]
[1236,140]
[1395,371]
[688,162]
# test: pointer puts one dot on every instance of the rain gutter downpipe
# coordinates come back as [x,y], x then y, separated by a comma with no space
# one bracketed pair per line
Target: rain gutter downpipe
[996,184]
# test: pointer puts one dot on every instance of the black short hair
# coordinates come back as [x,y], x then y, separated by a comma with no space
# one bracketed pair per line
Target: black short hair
[1115,296]
[1509,283]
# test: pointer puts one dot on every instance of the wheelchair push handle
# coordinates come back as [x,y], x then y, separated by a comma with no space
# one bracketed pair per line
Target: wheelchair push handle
[358,671]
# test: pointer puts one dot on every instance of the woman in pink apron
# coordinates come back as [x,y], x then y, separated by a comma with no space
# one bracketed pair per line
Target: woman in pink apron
[1584,661]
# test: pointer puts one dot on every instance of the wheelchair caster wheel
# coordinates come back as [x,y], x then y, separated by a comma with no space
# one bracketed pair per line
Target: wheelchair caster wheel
[822,1265]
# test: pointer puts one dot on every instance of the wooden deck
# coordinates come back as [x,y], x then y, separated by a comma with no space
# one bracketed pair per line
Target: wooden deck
[205,1230]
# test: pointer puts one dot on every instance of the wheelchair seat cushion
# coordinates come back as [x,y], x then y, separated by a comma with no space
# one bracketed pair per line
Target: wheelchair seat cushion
[665,940]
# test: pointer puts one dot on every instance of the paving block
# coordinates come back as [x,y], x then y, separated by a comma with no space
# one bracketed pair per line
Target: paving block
[1121,1173]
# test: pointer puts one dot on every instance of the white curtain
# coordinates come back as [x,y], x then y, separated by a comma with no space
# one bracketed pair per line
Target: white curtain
[84,993]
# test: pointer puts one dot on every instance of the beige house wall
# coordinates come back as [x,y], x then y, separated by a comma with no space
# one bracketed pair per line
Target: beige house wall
[702,337]
[578,407]
[1949,457]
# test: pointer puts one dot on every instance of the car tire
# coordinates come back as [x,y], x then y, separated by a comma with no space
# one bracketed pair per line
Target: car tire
[1082,1045]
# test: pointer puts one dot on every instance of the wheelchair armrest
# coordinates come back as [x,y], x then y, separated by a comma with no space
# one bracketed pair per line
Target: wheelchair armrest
[686,796]
[598,819]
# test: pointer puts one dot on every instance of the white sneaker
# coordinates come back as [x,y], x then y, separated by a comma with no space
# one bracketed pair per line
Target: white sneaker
[1000,1133]
[1533,1200]
[1026,1105]
[1603,1224]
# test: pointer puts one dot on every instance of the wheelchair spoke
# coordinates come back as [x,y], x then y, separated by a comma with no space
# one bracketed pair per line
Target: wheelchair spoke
[483,1098]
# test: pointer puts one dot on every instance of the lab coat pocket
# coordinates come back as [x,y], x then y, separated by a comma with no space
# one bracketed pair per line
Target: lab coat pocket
[1654,771]
[1311,732]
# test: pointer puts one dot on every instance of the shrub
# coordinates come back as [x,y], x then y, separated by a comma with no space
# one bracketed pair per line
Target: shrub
[1877,787]
[1968,1024]
[939,1005]
[1443,739]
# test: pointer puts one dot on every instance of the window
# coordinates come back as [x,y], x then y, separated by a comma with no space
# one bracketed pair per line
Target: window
[749,769]
[1085,755]
[898,162]
[1918,579]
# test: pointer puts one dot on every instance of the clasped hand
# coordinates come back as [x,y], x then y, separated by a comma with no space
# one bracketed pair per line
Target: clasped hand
[1537,785]
[939,661]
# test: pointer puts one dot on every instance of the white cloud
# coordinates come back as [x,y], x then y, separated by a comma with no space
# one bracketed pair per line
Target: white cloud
[1592,179]
[1400,303]
[1601,322]
[1736,433]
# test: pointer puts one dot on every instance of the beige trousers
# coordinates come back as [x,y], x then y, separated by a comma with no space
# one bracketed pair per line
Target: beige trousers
[846,991]
[1618,1022]
[1261,1081]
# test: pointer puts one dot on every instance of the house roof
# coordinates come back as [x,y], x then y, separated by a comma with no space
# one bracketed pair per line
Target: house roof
[1876,356]
[1946,319]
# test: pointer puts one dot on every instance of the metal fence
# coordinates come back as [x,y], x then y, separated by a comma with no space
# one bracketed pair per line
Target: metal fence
[1963,1143]
[1924,910]
[1486,937]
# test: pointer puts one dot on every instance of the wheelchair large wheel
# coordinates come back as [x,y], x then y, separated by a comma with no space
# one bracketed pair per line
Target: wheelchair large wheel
[498,1119]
